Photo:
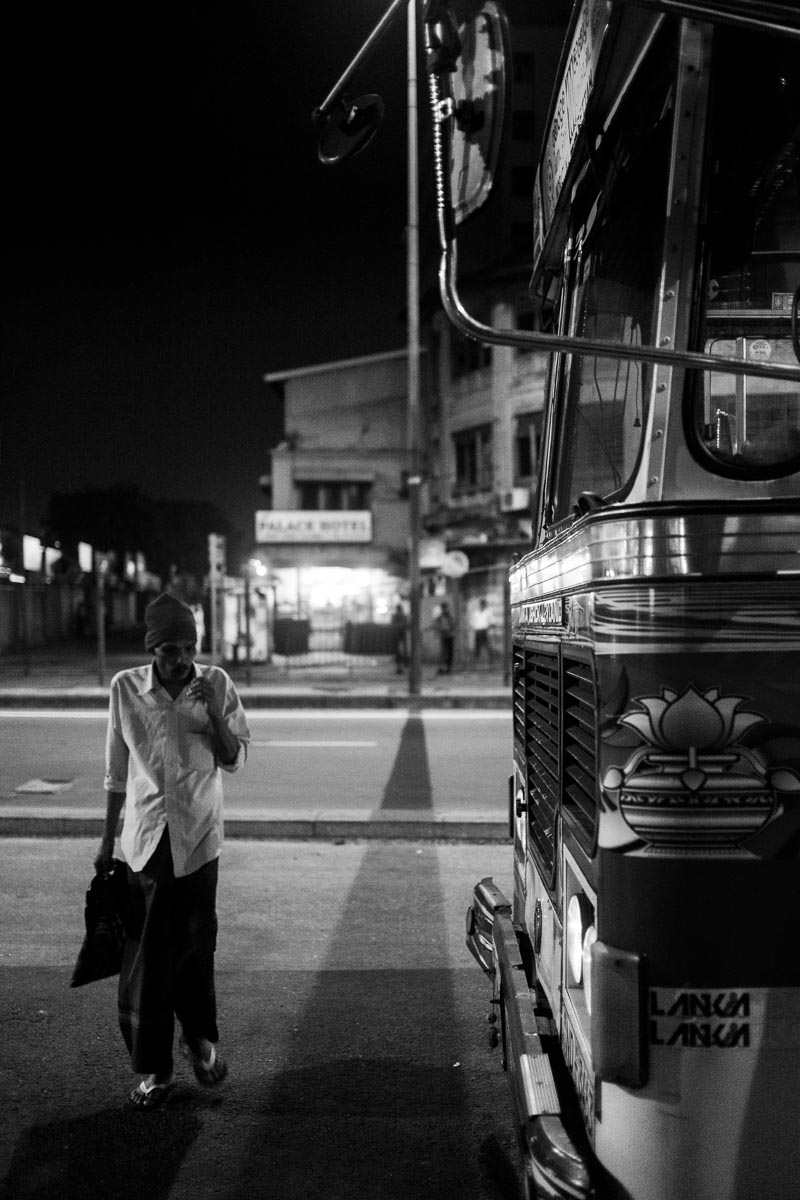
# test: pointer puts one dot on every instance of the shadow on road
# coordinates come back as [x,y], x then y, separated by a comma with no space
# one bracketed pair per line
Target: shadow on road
[102,1154]
[373,1100]
[409,784]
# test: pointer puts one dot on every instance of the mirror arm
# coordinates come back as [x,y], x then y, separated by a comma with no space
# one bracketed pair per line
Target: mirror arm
[770,16]
[325,109]
[550,342]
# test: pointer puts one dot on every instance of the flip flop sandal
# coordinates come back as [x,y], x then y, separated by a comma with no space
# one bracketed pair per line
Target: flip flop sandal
[152,1096]
[210,1071]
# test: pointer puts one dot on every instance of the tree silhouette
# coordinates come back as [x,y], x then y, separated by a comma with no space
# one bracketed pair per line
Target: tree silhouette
[172,534]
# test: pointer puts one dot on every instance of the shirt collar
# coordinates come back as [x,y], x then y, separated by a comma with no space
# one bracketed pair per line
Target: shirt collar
[151,682]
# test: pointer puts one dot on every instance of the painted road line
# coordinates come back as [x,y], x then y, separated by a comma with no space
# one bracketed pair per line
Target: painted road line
[56,714]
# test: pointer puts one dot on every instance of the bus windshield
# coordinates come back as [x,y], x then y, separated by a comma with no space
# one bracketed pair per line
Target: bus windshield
[745,425]
[619,233]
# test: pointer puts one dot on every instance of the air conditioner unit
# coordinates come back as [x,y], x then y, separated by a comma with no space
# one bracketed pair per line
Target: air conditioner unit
[515,499]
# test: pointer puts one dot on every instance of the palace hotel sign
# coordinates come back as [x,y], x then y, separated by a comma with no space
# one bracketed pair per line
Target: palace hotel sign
[277,527]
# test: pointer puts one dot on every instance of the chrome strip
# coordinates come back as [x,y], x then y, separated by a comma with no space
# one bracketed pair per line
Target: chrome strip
[628,547]
[538,1084]
[532,1085]
[700,619]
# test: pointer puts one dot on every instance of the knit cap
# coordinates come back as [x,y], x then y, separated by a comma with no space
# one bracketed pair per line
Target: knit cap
[168,619]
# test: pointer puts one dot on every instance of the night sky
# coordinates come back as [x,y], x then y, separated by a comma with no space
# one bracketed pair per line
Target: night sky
[170,237]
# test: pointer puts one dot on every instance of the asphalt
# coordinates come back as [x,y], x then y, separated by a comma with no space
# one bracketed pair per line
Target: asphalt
[71,675]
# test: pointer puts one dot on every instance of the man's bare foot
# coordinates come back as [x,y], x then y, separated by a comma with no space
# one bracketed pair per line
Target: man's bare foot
[152,1090]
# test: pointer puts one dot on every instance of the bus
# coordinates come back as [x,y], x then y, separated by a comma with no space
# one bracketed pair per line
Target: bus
[645,970]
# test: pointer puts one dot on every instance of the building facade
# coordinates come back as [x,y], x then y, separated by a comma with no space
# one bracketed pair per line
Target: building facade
[345,455]
[333,533]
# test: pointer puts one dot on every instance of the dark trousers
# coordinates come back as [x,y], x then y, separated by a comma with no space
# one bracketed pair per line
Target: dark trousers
[168,969]
[482,643]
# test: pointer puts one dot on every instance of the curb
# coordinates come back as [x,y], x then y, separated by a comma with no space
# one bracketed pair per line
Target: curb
[387,826]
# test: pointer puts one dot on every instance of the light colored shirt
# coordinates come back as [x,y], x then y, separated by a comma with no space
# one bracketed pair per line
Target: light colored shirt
[159,751]
[481,619]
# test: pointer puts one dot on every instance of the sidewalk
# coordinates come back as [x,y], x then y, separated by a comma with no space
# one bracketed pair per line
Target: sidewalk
[66,674]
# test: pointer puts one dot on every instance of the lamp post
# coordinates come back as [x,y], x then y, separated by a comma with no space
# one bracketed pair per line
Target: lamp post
[347,130]
[412,311]
[101,573]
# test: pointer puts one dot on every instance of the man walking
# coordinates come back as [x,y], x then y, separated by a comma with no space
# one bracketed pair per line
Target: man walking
[400,632]
[446,628]
[481,622]
[172,726]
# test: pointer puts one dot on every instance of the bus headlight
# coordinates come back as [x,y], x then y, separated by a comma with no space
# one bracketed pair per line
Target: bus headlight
[580,918]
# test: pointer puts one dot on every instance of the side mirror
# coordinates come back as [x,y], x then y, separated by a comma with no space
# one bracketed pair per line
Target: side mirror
[468,67]
[348,128]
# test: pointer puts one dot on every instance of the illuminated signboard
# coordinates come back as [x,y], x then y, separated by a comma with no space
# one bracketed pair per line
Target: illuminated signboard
[573,96]
[277,527]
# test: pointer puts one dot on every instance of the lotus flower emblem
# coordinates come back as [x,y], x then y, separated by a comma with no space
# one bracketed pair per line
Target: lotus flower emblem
[704,722]
[693,787]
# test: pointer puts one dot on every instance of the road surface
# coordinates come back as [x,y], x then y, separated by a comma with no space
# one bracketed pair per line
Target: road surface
[357,760]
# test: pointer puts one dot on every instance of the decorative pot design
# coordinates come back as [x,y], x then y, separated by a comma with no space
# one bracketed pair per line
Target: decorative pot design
[693,787]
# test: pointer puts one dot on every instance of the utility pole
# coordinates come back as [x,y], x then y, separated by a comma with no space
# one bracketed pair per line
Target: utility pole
[25,594]
[347,128]
[217,566]
[100,571]
[412,306]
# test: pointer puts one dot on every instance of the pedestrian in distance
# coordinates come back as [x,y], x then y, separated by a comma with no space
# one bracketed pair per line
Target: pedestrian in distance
[446,628]
[481,622]
[400,633]
[173,725]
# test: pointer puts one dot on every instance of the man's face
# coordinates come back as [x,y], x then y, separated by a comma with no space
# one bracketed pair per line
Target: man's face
[174,660]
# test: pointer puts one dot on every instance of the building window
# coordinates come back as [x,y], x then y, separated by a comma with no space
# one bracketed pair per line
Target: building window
[524,65]
[325,496]
[525,320]
[527,445]
[473,455]
[523,126]
[522,238]
[468,356]
[522,181]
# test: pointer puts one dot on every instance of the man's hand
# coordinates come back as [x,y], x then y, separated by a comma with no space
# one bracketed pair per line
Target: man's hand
[226,744]
[104,859]
[202,689]
[105,856]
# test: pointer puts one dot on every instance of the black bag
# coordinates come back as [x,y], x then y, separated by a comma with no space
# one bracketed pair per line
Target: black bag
[107,916]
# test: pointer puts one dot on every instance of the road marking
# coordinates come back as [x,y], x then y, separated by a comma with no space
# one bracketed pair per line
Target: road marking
[56,714]
[45,787]
[313,745]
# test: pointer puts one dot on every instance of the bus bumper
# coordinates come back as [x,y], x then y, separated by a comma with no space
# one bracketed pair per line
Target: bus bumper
[554,1167]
